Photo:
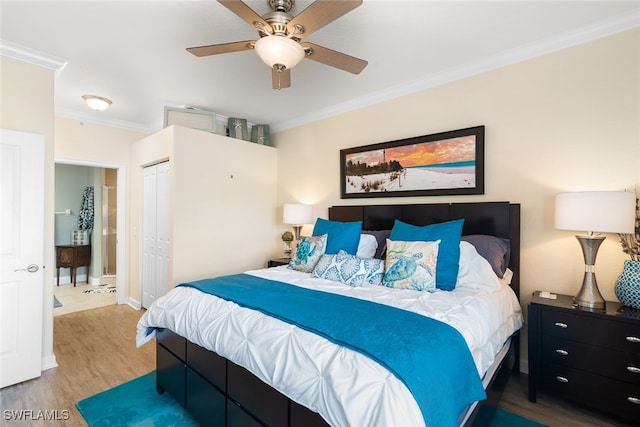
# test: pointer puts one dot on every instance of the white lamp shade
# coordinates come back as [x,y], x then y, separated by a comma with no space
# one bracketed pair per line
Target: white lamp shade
[279,50]
[596,211]
[296,214]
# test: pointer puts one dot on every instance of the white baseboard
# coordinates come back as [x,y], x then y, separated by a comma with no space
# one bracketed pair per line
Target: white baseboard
[49,362]
[80,278]
[134,303]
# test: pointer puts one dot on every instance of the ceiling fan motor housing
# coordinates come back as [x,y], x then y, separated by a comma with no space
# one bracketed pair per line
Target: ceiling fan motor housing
[278,22]
[282,5]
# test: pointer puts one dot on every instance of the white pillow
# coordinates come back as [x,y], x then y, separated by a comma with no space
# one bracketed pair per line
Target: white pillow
[367,246]
[474,271]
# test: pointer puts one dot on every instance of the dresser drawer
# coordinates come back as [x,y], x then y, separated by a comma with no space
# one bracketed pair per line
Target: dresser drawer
[617,364]
[608,395]
[591,330]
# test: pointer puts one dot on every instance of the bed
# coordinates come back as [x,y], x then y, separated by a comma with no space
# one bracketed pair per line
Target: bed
[233,360]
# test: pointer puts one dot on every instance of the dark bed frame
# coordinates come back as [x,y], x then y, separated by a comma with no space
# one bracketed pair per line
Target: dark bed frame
[218,392]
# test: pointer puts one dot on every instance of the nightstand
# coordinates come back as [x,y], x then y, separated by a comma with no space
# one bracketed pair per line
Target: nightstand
[278,261]
[589,357]
[72,256]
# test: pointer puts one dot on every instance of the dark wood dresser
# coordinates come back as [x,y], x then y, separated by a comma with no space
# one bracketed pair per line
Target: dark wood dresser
[589,357]
[72,256]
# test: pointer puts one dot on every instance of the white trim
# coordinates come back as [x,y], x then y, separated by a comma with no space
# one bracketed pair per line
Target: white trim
[66,279]
[594,31]
[121,250]
[49,362]
[121,124]
[134,303]
[599,29]
[32,56]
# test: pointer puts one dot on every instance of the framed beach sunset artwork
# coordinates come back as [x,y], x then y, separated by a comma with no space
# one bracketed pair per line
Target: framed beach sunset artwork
[446,163]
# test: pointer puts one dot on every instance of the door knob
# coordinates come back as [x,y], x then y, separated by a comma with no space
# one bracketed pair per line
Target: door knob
[31,268]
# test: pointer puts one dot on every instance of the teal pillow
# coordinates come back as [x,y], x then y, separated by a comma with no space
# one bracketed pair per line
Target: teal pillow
[449,234]
[340,235]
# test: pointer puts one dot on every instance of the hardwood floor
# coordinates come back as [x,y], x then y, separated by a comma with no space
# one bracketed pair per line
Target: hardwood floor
[96,350]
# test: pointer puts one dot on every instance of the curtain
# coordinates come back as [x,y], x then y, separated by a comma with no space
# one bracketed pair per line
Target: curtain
[85,217]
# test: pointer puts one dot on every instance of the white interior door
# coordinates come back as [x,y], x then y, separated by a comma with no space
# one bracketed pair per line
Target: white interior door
[155,233]
[21,255]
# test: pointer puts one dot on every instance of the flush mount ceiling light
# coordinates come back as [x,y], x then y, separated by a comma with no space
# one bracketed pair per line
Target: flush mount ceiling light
[97,103]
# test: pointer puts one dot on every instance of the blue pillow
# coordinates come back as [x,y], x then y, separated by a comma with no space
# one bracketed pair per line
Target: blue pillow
[341,235]
[449,234]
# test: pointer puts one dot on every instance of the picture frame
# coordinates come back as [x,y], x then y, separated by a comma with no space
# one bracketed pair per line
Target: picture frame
[445,163]
[190,118]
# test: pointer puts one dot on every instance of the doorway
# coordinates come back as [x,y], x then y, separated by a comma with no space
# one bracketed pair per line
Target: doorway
[103,282]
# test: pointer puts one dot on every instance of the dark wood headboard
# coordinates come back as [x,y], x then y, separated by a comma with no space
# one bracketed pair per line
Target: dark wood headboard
[501,219]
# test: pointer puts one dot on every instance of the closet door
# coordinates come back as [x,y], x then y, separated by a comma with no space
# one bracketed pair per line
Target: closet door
[155,233]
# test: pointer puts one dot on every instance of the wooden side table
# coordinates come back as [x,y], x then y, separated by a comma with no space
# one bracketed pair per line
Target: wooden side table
[72,256]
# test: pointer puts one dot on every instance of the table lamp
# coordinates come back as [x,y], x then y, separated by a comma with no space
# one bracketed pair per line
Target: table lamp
[297,215]
[594,212]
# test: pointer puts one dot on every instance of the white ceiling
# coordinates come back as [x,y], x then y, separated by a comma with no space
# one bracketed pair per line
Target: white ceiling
[133,52]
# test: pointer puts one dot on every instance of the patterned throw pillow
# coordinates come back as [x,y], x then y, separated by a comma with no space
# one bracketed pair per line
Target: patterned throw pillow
[349,269]
[309,250]
[411,265]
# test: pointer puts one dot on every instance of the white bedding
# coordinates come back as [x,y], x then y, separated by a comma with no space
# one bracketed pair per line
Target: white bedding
[342,385]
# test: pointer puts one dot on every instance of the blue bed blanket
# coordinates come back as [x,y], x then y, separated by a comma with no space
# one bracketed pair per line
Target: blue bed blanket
[430,357]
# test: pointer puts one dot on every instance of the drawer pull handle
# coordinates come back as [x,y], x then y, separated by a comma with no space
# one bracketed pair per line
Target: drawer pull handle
[564,326]
[633,400]
[563,379]
[633,369]
[633,339]
[563,352]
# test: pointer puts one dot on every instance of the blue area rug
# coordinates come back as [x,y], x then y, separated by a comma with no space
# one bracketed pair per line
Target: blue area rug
[496,417]
[136,404]
[56,302]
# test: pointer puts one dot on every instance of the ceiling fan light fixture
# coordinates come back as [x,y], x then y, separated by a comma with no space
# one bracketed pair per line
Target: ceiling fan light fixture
[279,50]
[97,103]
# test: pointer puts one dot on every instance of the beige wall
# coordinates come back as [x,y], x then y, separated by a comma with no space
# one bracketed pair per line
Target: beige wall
[26,102]
[222,195]
[565,121]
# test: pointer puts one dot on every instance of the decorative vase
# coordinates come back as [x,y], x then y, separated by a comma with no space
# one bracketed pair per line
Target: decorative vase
[287,248]
[628,284]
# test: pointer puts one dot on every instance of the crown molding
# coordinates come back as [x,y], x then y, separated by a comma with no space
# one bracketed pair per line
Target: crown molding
[105,121]
[600,29]
[32,56]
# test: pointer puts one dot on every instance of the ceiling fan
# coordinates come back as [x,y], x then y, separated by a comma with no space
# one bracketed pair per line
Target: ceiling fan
[279,45]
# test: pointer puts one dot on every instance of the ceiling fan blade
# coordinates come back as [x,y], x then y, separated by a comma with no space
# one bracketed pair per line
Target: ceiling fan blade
[335,59]
[248,14]
[216,49]
[280,79]
[320,13]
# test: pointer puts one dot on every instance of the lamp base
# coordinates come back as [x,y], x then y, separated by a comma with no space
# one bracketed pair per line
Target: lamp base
[296,231]
[589,295]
